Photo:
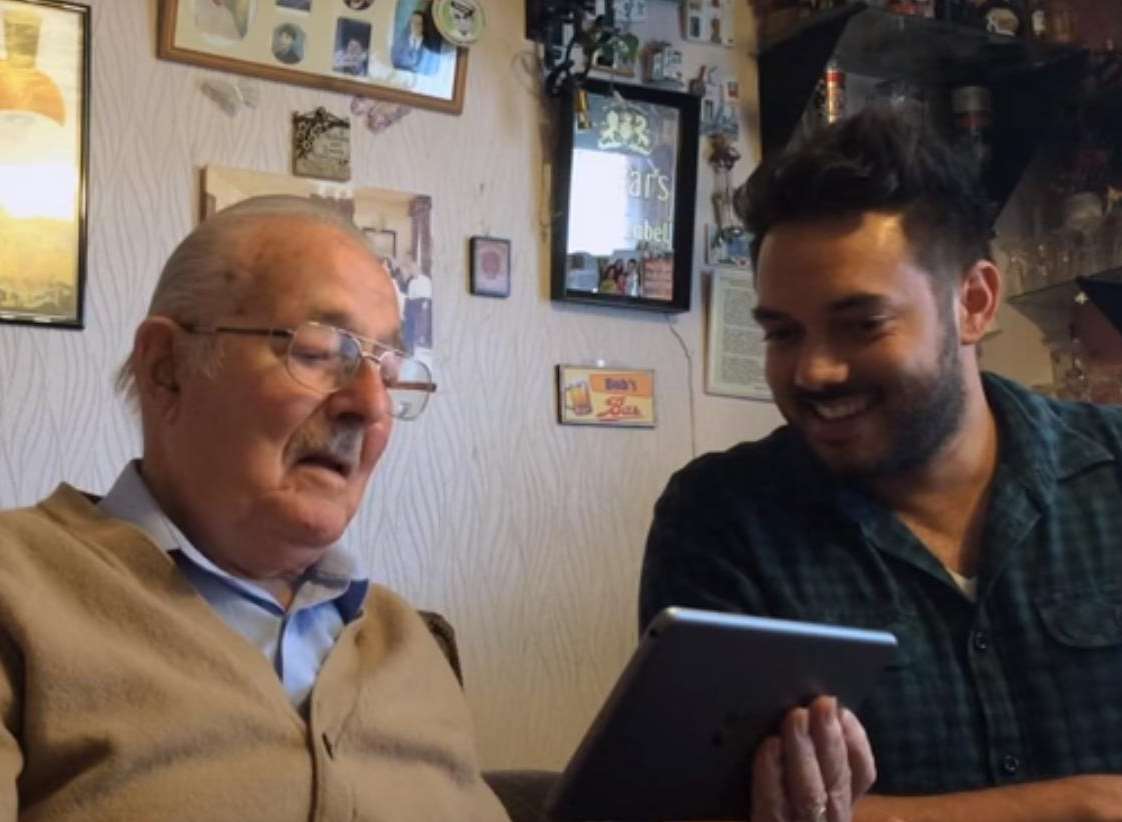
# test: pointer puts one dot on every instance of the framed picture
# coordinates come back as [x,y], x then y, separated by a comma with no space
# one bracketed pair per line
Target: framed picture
[383,242]
[44,138]
[388,49]
[735,347]
[490,266]
[619,397]
[624,188]
[383,216]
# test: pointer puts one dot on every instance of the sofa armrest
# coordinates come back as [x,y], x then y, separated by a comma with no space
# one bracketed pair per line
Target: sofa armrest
[522,792]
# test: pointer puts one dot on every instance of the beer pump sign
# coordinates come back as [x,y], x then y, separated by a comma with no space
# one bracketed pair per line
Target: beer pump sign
[605,396]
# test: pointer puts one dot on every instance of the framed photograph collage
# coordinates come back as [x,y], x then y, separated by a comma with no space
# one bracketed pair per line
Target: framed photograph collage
[388,49]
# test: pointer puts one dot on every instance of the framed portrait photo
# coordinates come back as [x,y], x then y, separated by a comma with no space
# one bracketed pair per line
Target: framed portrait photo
[624,188]
[389,49]
[490,266]
[44,138]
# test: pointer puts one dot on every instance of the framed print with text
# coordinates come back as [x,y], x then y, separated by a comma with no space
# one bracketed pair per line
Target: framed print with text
[624,188]
[388,49]
[44,145]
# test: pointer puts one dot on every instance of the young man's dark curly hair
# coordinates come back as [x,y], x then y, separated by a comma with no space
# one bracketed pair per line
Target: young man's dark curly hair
[877,161]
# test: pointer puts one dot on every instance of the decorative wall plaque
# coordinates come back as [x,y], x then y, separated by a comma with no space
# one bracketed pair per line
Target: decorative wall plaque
[321,145]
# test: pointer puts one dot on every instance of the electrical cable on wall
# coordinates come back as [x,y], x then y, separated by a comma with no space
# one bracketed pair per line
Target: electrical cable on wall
[689,383]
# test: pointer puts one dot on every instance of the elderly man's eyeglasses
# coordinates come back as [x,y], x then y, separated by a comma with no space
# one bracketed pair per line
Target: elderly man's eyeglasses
[327,359]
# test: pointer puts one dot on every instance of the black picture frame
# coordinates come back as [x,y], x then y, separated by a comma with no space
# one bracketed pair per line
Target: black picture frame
[43,246]
[640,158]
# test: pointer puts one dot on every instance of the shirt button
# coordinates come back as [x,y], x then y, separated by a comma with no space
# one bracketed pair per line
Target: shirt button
[1010,764]
[981,641]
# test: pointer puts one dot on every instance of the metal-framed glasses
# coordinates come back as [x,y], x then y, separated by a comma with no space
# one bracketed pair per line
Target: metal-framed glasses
[327,359]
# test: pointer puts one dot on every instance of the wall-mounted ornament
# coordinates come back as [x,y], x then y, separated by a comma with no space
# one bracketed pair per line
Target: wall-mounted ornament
[378,114]
[727,249]
[663,65]
[571,34]
[616,397]
[708,21]
[460,22]
[720,99]
[232,97]
[618,56]
[626,11]
[723,158]
[321,145]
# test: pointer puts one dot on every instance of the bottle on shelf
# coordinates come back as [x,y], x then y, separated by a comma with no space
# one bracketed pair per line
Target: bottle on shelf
[1037,24]
[971,106]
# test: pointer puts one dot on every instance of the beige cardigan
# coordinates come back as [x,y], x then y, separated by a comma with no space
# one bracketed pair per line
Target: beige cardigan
[123,696]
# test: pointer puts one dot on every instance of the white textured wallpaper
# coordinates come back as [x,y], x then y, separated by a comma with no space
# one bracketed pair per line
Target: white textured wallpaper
[527,535]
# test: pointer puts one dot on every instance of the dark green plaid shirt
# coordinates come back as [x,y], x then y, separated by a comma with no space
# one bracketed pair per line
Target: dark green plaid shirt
[1025,684]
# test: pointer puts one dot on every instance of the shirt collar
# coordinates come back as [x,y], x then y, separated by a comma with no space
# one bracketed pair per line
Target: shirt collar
[1036,442]
[130,499]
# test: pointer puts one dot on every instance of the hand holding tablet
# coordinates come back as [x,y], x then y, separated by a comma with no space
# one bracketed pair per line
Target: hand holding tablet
[815,769]
[678,735]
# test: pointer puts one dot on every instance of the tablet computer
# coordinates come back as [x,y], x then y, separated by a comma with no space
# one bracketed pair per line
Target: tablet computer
[676,736]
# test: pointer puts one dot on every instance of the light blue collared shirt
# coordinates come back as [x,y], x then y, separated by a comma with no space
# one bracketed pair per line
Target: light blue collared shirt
[298,640]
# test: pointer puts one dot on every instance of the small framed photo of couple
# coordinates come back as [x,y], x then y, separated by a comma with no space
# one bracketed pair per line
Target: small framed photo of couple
[389,49]
[490,267]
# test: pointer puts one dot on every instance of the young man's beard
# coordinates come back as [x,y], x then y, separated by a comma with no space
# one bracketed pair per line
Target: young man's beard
[925,411]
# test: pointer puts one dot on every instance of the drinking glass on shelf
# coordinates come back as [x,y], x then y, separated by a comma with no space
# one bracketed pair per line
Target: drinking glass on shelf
[1110,239]
[1013,257]
[1061,248]
[1069,373]
[1083,217]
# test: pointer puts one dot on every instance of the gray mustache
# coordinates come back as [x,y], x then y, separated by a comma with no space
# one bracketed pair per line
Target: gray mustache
[342,443]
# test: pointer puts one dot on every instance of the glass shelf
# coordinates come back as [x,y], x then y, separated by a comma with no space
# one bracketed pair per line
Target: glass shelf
[1031,82]
[1049,308]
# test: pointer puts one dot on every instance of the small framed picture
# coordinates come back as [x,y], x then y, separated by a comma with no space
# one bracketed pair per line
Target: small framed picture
[615,397]
[490,267]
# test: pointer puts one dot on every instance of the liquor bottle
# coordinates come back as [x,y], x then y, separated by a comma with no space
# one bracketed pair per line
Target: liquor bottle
[22,86]
[1037,28]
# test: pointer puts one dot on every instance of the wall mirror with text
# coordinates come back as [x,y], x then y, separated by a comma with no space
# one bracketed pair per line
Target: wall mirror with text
[624,189]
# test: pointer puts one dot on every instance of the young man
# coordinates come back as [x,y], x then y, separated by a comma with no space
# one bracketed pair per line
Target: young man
[910,491]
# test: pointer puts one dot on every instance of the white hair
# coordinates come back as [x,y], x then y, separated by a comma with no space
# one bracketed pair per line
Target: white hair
[206,275]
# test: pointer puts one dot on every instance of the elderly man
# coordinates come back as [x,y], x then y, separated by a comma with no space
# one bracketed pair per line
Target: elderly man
[195,644]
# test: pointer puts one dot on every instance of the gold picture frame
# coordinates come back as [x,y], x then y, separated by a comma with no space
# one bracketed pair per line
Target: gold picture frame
[44,143]
[388,49]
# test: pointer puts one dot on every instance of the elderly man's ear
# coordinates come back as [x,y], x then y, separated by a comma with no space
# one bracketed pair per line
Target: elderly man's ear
[158,358]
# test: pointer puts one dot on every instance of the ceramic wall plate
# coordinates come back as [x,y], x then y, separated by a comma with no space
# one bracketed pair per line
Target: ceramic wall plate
[460,22]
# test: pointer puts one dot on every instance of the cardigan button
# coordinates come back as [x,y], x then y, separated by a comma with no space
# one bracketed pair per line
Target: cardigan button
[981,641]
[1010,764]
